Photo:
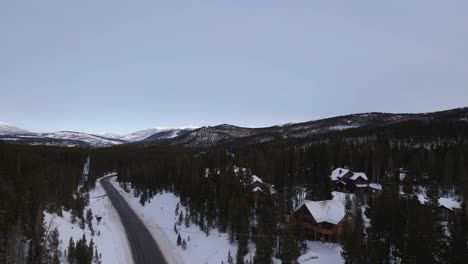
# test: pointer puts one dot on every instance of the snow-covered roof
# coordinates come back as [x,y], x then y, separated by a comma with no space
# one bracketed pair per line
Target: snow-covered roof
[330,211]
[375,186]
[338,173]
[361,185]
[255,178]
[256,189]
[449,203]
[356,175]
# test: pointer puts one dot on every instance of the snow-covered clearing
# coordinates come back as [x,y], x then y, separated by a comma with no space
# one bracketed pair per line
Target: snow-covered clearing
[321,253]
[111,242]
[159,217]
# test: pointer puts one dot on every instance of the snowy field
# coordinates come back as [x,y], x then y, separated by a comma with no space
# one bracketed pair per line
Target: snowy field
[112,241]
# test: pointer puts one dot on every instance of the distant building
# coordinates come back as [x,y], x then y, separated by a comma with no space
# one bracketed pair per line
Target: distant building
[346,180]
[257,182]
[322,220]
[258,188]
[402,173]
[448,206]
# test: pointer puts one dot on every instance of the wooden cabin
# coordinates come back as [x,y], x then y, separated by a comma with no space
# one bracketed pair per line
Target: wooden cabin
[448,207]
[258,189]
[257,182]
[322,220]
[256,195]
[348,181]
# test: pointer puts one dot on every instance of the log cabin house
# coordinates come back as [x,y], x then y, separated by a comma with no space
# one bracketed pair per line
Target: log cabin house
[322,220]
[258,188]
[348,181]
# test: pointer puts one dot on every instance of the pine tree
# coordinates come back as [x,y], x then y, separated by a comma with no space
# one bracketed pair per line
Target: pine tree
[179,242]
[71,251]
[181,218]
[412,232]
[458,241]
[229,259]
[54,243]
[437,236]
[89,221]
[408,185]
[352,240]
[386,219]
[290,247]
[187,221]
[96,259]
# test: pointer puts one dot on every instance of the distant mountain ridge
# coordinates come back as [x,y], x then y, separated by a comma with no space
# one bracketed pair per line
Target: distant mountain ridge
[214,135]
[6,129]
[221,134]
[79,139]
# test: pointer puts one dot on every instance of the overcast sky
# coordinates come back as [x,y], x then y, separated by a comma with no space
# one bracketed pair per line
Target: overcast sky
[121,66]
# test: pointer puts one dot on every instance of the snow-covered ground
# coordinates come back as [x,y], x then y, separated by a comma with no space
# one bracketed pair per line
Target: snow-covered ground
[159,217]
[321,253]
[111,242]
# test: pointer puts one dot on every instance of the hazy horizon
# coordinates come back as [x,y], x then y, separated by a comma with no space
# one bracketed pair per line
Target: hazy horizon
[120,67]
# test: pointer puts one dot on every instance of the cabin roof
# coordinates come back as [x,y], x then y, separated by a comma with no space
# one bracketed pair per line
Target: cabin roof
[362,185]
[375,186]
[330,211]
[338,173]
[255,178]
[449,203]
[356,175]
[256,189]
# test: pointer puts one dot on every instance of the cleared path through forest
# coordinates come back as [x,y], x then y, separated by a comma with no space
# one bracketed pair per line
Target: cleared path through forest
[144,248]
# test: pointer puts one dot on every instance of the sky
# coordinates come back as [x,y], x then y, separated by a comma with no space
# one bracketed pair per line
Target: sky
[121,66]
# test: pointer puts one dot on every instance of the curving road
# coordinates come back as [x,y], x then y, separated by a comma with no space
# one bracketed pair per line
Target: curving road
[144,248]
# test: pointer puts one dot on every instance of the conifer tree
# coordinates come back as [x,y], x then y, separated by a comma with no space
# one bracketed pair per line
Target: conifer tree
[71,251]
[179,240]
[290,247]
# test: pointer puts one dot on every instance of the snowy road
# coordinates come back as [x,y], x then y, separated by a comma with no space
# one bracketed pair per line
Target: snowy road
[144,248]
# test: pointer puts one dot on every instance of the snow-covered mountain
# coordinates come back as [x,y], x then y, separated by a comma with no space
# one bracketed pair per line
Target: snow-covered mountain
[6,129]
[214,135]
[92,140]
[143,134]
[153,133]
[79,139]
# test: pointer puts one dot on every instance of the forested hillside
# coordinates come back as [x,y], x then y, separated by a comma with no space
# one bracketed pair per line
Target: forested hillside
[34,179]
[222,199]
